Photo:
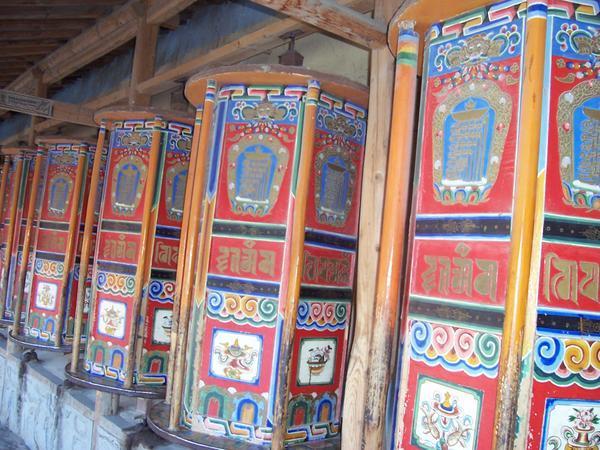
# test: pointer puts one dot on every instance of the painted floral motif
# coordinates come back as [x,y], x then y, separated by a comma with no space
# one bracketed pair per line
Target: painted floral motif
[236,356]
[572,425]
[447,416]
[45,297]
[111,319]
[316,361]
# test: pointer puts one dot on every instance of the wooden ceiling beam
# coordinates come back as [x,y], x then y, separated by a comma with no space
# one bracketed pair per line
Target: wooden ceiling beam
[50,12]
[334,18]
[41,107]
[108,33]
[45,24]
[161,11]
[58,3]
[30,36]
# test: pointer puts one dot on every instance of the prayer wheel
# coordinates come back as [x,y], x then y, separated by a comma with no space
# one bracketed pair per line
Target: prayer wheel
[133,278]
[501,319]
[264,296]
[50,306]
[19,183]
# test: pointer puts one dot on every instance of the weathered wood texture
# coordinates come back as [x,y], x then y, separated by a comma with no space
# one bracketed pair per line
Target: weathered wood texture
[390,271]
[376,152]
[38,106]
[522,228]
[144,56]
[334,18]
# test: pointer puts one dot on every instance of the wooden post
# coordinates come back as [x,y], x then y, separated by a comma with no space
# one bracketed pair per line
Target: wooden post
[371,212]
[106,405]
[188,249]
[141,280]
[71,248]
[86,248]
[393,237]
[17,183]
[197,273]
[296,255]
[144,56]
[522,224]
[27,238]
[5,170]
[140,327]
[40,90]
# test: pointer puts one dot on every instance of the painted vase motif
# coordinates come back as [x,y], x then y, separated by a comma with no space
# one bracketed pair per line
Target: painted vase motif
[582,435]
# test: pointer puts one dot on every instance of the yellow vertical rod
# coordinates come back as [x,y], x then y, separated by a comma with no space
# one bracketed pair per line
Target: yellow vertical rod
[11,232]
[71,249]
[27,238]
[522,224]
[86,248]
[297,248]
[145,239]
[188,249]
[393,236]
[194,274]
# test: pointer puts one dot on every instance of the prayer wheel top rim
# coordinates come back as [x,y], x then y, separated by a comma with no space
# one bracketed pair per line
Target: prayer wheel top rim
[116,113]
[275,74]
[49,140]
[17,150]
[425,13]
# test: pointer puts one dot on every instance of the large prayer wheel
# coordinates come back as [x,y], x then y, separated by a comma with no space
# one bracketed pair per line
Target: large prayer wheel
[19,183]
[501,320]
[50,305]
[265,292]
[133,277]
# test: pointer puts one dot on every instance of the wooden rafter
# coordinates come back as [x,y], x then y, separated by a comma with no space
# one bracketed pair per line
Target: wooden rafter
[41,107]
[335,18]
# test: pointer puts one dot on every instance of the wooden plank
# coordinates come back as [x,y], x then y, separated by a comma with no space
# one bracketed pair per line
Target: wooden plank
[253,43]
[373,186]
[51,12]
[144,56]
[160,11]
[37,106]
[333,18]
[46,24]
[28,35]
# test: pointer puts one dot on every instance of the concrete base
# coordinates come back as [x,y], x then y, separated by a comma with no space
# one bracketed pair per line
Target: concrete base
[50,414]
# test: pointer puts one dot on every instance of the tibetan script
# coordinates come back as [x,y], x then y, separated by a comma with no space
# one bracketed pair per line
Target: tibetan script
[246,260]
[461,275]
[566,280]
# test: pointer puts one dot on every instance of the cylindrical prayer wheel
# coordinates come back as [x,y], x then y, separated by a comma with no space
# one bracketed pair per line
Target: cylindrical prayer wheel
[265,292]
[133,279]
[18,190]
[50,303]
[501,324]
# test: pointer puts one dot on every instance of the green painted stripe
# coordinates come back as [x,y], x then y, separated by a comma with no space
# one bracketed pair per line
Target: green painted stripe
[408,58]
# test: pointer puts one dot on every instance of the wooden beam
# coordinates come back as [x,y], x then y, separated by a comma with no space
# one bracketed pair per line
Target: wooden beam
[373,187]
[43,25]
[144,57]
[41,107]
[160,11]
[333,18]
[52,12]
[30,35]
